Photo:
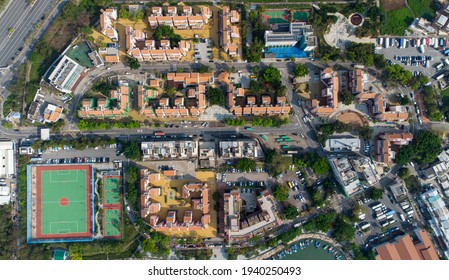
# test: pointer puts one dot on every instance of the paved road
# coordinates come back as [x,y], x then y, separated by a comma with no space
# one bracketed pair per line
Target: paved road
[23,19]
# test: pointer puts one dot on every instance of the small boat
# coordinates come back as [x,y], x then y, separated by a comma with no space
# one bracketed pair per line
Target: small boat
[317,244]
[307,242]
[331,249]
[301,245]
[335,253]
[326,246]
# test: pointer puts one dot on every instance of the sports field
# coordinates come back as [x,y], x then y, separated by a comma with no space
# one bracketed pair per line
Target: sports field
[60,203]
[273,17]
[112,223]
[111,189]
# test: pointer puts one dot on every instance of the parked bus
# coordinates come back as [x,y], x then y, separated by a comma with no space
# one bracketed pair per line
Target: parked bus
[290,185]
[159,133]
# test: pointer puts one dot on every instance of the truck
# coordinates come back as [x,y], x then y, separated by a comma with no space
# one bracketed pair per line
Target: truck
[364,225]
[376,205]
[438,66]
[248,128]
[384,223]
[292,152]
[284,147]
[381,217]
[159,133]
[387,42]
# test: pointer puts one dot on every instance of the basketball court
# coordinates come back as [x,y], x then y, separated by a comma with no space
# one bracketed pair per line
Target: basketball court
[112,223]
[60,203]
[111,189]
[274,17]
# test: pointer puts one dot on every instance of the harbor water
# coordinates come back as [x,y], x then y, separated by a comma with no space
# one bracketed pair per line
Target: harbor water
[310,249]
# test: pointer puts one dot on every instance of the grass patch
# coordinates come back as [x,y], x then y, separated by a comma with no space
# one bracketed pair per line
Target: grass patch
[396,22]
[423,8]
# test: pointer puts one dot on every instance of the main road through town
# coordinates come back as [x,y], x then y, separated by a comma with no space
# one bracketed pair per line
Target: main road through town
[16,23]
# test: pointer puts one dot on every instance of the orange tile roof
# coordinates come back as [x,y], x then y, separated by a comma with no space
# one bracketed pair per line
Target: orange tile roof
[240,92]
[266,99]
[404,249]
[111,58]
[231,101]
[251,100]
[169,173]
[201,100]
[154,83]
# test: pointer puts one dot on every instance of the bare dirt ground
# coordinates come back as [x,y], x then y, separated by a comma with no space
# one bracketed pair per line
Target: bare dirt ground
[352,118]
[391,5]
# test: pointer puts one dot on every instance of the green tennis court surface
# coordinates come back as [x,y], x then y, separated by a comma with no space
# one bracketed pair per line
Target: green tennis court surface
[300,16]
[80,53]
[111,190]
[64,202]
[111,223]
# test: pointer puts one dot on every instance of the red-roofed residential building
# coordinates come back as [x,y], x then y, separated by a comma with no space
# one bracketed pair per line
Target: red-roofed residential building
[405,248]
[388,144]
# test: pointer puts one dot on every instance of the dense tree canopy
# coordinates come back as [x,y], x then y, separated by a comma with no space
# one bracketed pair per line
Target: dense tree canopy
[132,150]
[216,96]
[343,231]
[291,212]
[157,245]
[167,32]
[321,222]
[346,97]
[133,63]
[272,75]
[360,53]
[280,192]
[424,149]
[245,164]
[300,70]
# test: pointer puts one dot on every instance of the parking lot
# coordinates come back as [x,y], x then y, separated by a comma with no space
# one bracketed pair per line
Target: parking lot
[435,56]
[203,51]
[87,153]
[375,229]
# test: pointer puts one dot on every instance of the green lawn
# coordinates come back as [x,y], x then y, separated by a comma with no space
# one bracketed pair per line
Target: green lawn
[423,8]
[396,22]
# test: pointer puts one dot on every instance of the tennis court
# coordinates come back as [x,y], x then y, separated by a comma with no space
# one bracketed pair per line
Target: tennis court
[111,189]
[300,15]
[274,17]
[80,53]
[63,202]
[112,223]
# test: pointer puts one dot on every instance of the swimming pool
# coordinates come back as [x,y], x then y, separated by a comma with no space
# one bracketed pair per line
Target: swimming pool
[287,52]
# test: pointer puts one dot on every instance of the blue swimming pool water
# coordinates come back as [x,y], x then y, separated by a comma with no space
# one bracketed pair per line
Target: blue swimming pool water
[287,52]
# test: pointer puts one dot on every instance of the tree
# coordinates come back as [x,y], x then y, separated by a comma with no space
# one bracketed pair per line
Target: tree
[280,193]
[404,155]
[133,63]
[132,150]
[245,164]
[124,13]
[291,212]
[204,69]
[404,173]
[157,245]
[300,70]
[346,97]
[365,132]
[216,96]
[281,91]
[343,231]
[132,174]
[377,194]
[320,166]
[321,222]
[272,76]
[138,15]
